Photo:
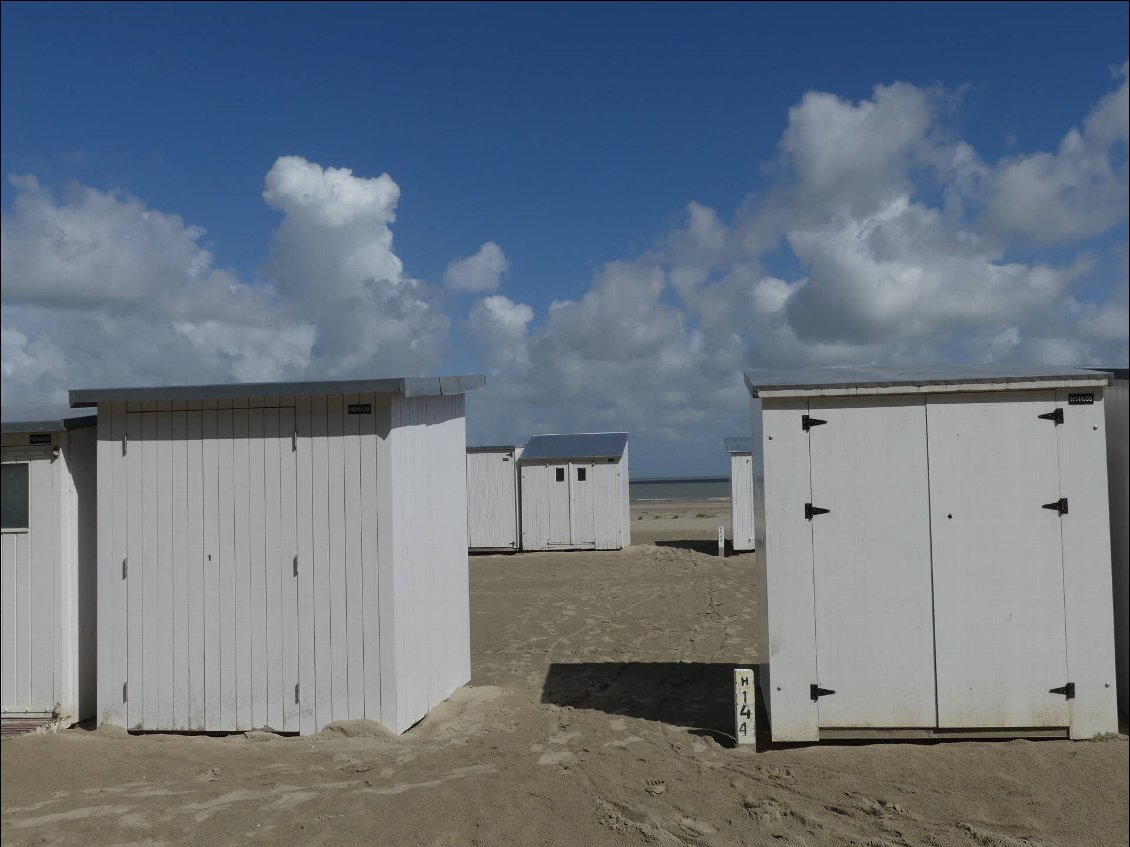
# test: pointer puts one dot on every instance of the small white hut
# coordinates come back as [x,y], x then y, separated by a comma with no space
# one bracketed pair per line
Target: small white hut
[741,493]
[281,555]
[936,552]
[48,563]
[574,492]
[492,498]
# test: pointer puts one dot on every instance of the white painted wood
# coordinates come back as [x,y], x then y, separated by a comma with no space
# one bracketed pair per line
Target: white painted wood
[210,459]
[320,564]
[137,615]
[116,624]
[258,597]
[582,505]
[165,623]
[790,646]
[871,562]
[230,611]
[948,388]
[178,552]
[998,561]
[352,554]
[745,706]
[1086,536]
[196,569]
[276,578]
[492,500]
[368,522]
[741,502]
[559,511]
[242,530]
[1117,409]
[290,630]
[307,654]
[336,558]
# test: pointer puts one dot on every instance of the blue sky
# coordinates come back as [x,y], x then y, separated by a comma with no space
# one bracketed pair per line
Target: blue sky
[572,137]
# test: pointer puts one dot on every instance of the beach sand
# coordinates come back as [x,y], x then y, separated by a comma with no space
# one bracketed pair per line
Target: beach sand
[595,715]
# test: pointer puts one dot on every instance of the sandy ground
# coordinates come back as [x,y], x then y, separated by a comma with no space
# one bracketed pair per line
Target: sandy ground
[593,718]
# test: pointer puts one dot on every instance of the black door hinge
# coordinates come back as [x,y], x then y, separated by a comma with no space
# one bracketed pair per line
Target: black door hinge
[811,511]
[807,422]
[1059,505]
[816,692]
[1067,691]
[1056,417]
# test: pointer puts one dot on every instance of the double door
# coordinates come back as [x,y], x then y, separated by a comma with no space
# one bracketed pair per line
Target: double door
[937,567]
[572,506]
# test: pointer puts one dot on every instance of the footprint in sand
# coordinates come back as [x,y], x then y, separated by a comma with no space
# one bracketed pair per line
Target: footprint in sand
[655,786]
[561,757]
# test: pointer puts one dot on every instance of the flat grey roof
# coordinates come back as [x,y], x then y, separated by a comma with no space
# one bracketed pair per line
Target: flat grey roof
[814,379]
[407,386]
[738,445]
[14,419]
[492,448]
[580,445]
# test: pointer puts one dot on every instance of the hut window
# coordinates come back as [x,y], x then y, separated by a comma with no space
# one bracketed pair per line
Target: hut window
[580,474]
[13,496]
[561,474]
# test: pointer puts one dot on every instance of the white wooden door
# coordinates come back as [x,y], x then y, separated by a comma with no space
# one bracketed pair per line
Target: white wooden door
[871,562]
[29,561]
[209,571]
[558,501]
[998,568]
[582,505]
[492,513]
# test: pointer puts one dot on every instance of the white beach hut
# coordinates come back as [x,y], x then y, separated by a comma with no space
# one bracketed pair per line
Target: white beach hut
[741,493]
[937,550]
[1117,404]
[492,498]
[281,555]
[48,563]
[574,492]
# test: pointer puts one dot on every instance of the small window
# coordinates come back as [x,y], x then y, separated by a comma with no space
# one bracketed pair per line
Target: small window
[581,474]
[561,474]
[13,496]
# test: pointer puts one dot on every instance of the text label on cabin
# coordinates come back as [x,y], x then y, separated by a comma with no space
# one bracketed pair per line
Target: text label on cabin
[1080,399]
[360,408]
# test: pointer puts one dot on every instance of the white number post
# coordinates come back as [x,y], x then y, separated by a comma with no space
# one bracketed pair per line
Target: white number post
[745,725]
[721,541]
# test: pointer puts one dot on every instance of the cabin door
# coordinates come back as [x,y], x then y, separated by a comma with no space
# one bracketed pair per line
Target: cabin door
[582,504]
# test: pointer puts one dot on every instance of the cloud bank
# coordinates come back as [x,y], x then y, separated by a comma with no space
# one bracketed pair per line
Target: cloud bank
[901,244]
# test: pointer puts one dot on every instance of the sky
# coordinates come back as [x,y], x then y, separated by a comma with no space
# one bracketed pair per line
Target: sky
[610,210]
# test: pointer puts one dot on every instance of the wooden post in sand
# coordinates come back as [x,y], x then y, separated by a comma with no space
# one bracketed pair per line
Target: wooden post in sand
[745,723]
[722,541]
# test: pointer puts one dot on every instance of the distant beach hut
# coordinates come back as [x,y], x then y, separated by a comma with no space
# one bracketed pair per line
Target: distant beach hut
[281,555]
[937,552]
[1117,406]
[741,493]
[492,498]
[574,492]
[47,553]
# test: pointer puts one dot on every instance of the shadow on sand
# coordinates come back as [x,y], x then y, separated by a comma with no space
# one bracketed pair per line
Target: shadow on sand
[696,695]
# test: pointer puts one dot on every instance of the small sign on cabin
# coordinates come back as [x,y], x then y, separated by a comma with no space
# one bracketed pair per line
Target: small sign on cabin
[1080,399]
[39,438]
[360,408]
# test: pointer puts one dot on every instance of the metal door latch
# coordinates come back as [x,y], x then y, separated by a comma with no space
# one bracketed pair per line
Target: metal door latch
[1055,417]
[807,422]
[816,692]
[1059,505]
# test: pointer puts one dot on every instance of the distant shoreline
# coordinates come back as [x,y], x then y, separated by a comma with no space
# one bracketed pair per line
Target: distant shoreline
[660,480]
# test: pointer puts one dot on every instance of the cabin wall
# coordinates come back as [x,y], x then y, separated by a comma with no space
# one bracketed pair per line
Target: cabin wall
[492,501]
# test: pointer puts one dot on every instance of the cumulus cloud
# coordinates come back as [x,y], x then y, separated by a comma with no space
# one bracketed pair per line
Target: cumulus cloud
[481,272]
[1078,191]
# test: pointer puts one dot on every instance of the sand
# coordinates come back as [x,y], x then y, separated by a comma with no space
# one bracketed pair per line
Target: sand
[594,718]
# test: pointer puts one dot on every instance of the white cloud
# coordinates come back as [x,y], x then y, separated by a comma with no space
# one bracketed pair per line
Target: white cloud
[1077,192]
[481,272]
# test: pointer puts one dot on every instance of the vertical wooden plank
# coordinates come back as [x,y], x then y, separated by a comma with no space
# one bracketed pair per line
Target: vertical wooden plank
[38,612]
[135,577]
[212,563]
[386,562]
[335,502]
[791,643]
[241,561]
[105,640]
[257,561]
[229,610]
[178,483]
[10,548]
[273,571]
[167,621]
[292,631]
[118,622]
[304,522]
[150,571]
[1085,528]
[354,581]
[368,524]
[320,528]
[196,572]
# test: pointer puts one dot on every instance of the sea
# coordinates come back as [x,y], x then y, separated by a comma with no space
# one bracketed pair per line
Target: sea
[679,488]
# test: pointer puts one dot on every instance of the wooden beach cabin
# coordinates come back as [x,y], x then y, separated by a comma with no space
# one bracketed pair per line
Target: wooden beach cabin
[936,552]
[741,494]
[48,562]
[492,498]
[281,555]
[574,492]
